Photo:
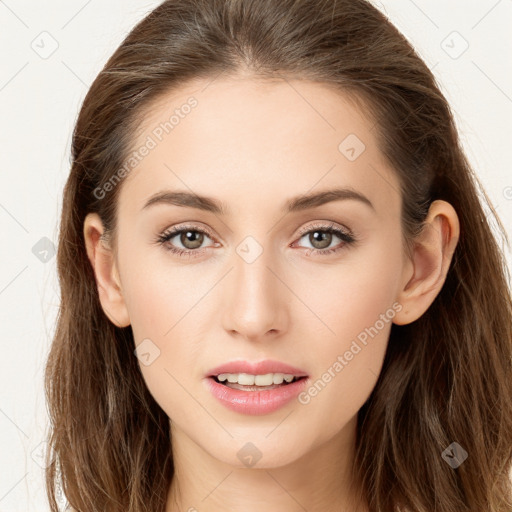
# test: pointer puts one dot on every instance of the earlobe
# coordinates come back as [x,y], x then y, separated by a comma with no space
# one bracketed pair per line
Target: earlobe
[105,270]
[433,251]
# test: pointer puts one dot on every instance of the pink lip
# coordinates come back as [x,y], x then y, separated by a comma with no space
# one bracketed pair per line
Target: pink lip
[255,402]
[261,368]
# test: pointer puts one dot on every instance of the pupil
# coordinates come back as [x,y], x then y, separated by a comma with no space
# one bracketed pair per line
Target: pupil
[192,239]
[323,238]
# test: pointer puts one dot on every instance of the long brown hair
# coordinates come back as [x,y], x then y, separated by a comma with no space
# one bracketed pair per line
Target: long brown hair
[447,377]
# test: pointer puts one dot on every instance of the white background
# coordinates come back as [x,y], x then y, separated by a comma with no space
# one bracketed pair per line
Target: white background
[39,102]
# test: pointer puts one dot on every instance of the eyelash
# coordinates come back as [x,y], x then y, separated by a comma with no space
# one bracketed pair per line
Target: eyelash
[166,236]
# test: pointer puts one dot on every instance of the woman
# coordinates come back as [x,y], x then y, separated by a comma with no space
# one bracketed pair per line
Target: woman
[279,287]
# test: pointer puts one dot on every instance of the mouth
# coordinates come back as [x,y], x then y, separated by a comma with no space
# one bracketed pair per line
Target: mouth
[249,382]
[255,393]
[255,388]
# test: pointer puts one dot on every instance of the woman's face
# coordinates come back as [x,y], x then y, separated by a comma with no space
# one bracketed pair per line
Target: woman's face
[263,279]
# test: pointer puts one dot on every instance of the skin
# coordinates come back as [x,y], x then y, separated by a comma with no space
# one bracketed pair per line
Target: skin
[253,145]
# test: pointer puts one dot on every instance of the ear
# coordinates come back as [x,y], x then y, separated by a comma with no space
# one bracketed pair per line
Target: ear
[426,271]
[107,277]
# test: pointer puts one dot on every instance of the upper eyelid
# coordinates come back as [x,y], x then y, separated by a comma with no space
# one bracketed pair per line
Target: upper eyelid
[325,225]
[179,228]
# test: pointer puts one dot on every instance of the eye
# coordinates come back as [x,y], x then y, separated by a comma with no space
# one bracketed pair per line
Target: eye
[321,237]
[190,237]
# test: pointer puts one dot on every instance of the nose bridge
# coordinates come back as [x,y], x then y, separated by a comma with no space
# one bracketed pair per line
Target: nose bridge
[256,302]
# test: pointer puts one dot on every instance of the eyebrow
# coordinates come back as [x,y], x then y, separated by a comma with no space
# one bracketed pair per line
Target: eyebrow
[295,204]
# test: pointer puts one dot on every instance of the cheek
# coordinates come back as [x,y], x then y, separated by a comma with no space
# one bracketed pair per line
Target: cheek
[352,295]
[160,302]
[351,339]
[354,309]
[161,311]
[157,295]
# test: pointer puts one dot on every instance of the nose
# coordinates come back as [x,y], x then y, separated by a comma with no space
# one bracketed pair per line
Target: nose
[256,301]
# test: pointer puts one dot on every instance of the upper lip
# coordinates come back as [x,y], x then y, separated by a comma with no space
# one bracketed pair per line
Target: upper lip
[259,368]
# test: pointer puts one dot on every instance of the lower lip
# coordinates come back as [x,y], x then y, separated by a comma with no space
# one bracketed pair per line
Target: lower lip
[255,402]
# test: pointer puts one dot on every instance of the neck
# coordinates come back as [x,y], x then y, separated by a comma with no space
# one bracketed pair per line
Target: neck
[320,480]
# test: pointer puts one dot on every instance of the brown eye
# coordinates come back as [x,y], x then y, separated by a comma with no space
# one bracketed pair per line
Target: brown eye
[320,239]
[191,239]
[186,240]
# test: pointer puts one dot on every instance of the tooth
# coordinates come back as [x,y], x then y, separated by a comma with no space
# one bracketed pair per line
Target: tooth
[263,380]
[278,378]
[244,379]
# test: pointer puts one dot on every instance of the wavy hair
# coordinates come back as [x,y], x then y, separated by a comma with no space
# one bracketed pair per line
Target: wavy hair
[447,377]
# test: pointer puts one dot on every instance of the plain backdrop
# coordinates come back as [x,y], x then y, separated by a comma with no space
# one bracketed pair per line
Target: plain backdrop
[50,54]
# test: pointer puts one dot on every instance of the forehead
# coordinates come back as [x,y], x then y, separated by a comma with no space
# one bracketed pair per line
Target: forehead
[249,140]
